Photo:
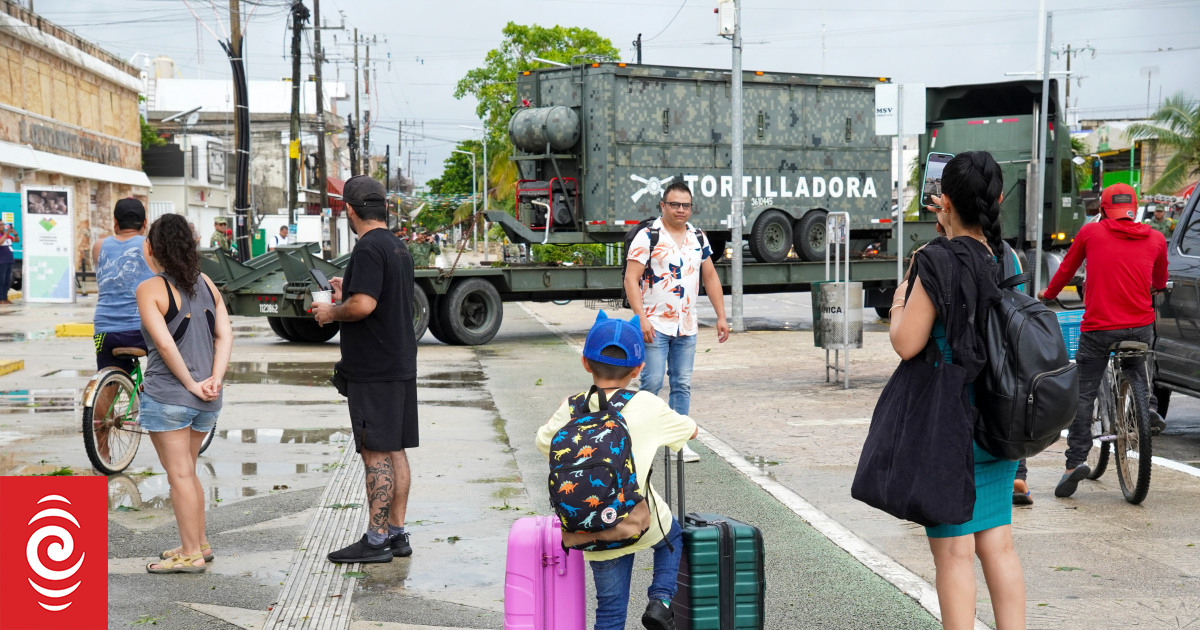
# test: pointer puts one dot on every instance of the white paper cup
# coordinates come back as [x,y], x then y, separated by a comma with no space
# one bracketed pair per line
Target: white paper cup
[322,297]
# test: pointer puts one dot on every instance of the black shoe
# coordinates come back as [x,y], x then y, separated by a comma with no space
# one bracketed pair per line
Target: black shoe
[1070,481]
[400,546]
[1157,424]
[362,551]
[658,616]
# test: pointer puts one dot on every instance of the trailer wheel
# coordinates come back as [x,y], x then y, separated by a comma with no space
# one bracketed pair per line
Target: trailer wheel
[809,236]
[420,309]
[771,237]
[437,327]
[471,312]
[277,327]
[308,330]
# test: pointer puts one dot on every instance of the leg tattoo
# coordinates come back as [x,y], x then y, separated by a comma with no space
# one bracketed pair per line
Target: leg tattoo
[380,482]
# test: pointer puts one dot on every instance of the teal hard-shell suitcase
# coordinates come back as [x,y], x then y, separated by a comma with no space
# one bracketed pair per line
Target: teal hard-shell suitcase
[721,584]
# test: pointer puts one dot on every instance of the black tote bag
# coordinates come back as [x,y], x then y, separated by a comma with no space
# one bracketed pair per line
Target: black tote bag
[917,462]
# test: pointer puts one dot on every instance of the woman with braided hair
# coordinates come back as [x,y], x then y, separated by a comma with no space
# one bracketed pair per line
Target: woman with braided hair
[934,306]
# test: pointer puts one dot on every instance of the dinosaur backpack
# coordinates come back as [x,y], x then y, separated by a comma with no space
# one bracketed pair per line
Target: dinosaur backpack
[593,484]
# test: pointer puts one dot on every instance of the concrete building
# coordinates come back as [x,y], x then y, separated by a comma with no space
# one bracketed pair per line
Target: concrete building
[212,132]
[68,117]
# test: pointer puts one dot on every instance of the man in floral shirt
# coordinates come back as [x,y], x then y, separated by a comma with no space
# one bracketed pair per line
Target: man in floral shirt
[662,281]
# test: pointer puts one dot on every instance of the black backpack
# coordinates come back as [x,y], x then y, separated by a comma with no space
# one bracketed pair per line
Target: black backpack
[652,232]
[1028,390]
[593,484]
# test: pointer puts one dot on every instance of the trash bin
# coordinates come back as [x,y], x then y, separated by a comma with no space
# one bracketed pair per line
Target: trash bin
[834,327]
[258,243]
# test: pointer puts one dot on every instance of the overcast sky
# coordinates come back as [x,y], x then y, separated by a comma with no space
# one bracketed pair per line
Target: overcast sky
[424,46]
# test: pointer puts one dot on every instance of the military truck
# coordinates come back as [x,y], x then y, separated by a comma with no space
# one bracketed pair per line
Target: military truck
[1000,118]
[596,144]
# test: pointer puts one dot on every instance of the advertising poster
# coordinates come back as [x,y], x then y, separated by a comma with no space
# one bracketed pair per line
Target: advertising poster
[49,240]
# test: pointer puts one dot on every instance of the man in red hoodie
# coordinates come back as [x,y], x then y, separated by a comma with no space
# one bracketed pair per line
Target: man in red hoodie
[1126,262]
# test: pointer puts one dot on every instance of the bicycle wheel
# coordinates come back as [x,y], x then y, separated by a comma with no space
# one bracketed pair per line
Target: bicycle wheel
[1132,424]
[1097,458]
[111,433]
[208,440]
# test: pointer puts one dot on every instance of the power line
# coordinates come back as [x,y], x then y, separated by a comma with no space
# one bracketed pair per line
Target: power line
[664,29]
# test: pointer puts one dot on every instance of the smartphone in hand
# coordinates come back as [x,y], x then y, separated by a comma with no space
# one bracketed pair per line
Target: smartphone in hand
[318,276]
[931,188]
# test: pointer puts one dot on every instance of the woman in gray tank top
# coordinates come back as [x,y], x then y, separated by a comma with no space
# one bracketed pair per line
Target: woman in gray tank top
[189,339]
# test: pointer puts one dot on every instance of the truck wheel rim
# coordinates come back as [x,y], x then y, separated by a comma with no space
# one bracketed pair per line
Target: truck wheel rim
[774,238]
[816,237]
[475,312]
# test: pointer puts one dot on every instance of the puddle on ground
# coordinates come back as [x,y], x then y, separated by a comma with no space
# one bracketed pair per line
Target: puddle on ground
[148,488]
[486,405]
[21,401]
[284,436]
[13,337]
[761,462]
[69,374]
[452,380]
[279,373]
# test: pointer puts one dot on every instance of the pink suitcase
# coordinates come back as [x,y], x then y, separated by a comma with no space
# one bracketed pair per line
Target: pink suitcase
[543,585]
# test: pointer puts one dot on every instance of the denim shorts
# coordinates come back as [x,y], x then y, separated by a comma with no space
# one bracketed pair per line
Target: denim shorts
[157,417]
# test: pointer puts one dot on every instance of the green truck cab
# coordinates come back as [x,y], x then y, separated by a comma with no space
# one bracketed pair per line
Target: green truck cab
[1000,118]
[596,144]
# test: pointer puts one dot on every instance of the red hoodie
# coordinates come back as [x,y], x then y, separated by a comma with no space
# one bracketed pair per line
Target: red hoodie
[1125,261]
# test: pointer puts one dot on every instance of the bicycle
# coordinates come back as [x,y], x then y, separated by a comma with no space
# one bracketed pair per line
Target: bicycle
[111,437]
[1121,413]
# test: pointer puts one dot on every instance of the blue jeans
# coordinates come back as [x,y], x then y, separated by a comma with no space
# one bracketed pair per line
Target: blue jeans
[5,279]
[672,356]
[612,579]
[157,417]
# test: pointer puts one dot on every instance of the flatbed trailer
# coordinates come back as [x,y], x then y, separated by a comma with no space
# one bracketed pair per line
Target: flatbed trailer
[464,306]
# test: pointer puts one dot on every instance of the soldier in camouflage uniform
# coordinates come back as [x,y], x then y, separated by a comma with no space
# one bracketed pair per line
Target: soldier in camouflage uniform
[1161,223]
[219,238]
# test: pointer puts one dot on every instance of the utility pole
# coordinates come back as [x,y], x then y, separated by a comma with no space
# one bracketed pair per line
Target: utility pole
[736,216]
[321,173]
[637,44]
[352,141]
[366,121]
[1043,122]
[299,16]
[387,167]
[354,167]
[241,133]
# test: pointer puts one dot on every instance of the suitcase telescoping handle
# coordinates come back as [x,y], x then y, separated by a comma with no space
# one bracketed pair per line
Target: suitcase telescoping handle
[667,480]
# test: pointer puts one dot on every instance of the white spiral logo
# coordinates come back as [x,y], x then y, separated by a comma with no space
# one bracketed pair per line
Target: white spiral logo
[59,551]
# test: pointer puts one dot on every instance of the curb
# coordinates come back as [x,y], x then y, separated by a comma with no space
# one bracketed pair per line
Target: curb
[8,366]
[75,329]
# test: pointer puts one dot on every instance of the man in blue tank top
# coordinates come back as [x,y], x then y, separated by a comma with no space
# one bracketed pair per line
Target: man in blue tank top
[120,267]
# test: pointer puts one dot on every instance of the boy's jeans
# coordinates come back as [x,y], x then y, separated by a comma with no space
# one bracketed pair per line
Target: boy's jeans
[674,357]
[612,579]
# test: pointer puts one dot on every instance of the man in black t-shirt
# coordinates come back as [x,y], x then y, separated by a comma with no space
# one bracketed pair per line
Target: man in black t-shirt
[379,363]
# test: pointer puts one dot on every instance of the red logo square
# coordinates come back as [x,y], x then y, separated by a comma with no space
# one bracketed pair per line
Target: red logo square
[53,553]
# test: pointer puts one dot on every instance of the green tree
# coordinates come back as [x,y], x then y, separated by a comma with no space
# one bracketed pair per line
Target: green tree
[456,171]
[1176,125]
[494,84]
[1083,172]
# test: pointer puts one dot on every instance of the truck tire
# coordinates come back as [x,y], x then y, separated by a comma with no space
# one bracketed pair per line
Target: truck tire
[420,309]
[308,330]
[771,237]
[471,312]
[437,327]
[718,248]
[808,236]
[277,327]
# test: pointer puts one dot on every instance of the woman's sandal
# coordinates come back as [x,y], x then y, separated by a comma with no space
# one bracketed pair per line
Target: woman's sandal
[205,549]
[178,564]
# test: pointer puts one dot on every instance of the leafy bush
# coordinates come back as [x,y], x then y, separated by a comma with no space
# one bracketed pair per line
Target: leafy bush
[580,254]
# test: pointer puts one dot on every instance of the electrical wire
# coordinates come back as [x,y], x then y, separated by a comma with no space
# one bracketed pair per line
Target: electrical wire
[664,29]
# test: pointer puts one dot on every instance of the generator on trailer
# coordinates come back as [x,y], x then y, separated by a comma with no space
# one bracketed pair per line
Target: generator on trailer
[596,144]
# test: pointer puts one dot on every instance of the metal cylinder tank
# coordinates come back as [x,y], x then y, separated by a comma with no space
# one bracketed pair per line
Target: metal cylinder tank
[530,129]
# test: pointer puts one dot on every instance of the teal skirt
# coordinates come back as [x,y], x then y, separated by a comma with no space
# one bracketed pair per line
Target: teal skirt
[993,497]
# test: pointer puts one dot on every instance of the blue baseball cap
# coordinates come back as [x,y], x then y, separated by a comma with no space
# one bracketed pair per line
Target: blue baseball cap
[607,333]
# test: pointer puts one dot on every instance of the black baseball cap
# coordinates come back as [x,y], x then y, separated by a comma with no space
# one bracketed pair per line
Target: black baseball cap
[363,191]
[129,210]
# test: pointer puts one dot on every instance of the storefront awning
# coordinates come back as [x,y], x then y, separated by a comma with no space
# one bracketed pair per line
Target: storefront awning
[22,156]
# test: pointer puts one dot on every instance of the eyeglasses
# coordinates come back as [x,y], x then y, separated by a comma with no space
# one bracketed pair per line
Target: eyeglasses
[676,205]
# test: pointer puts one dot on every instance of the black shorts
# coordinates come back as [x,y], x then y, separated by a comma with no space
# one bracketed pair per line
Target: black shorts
[383,415]
[105,342]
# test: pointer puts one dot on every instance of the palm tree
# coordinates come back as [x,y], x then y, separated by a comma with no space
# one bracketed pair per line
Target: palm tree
[1176,125]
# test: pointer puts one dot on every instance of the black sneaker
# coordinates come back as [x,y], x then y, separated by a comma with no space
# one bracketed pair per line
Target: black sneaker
[362,551]
[1070,481]
[400,546]
[658,616]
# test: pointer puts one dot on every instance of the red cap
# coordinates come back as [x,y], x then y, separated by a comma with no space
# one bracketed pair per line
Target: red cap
[1119,201]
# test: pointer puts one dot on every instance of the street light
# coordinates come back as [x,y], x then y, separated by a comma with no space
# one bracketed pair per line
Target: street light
[473,189]
[485,188]
[191,116]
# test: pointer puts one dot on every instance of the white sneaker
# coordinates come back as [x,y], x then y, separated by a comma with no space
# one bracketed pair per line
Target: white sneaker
[689,455]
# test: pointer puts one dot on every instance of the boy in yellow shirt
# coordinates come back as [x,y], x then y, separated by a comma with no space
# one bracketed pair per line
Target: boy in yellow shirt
[614,355]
